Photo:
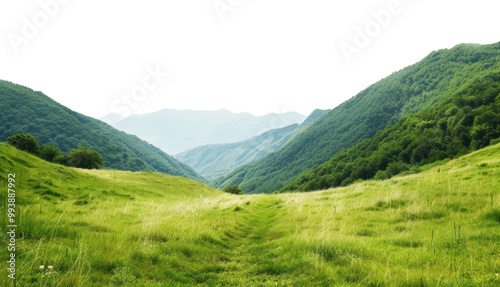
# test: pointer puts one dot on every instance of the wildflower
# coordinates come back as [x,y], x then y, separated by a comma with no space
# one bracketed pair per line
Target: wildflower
[50,267]
[41,267]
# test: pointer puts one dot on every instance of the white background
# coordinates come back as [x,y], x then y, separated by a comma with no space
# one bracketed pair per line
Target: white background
[263,57]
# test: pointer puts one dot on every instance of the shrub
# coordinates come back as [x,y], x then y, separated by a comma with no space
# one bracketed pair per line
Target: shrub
[25,142]
[233,189]
[381,175]
[49,153]
[84,158]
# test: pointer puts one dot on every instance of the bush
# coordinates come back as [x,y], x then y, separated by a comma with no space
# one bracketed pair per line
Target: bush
[84,158]
[381,175]
[395,168]
[61,159]
[233,189]
[49,153]
[25,142]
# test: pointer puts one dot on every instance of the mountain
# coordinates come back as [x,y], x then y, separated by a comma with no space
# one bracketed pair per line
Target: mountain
[460,123]
[401,94]
[23,110]
[212,161]
[316,114]
[176,131]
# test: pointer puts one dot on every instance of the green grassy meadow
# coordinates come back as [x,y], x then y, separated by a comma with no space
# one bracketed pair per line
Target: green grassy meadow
[440,227]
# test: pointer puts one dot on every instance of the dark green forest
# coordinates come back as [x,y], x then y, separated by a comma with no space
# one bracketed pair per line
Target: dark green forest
[417,88]
[464,122]
[23,110]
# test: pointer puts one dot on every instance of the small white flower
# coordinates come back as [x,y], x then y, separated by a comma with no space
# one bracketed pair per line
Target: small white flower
[50,267]
[496,274]
[42,266]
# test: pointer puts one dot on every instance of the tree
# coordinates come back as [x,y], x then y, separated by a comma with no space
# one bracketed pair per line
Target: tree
[380,175]
[25,142]
[61,159]
[84,158]
[233,189]
[49,152]
[395,168]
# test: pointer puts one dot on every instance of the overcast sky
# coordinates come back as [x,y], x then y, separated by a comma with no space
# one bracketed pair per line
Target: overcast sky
[256,56]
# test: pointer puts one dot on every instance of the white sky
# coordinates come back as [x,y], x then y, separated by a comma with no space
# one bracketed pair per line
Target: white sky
[265,56]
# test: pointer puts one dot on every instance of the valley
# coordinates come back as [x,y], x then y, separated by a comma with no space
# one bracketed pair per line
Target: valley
[397,186]
[98,227]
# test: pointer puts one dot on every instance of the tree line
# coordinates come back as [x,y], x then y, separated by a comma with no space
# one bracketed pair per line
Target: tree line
[81,157]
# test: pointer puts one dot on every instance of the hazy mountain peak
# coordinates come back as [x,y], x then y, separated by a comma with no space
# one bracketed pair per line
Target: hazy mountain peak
[175,131]
[112,118]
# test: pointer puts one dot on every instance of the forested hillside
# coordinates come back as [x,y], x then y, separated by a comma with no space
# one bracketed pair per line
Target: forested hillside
[409,91]
[23,110]
[465,121]
[212,161]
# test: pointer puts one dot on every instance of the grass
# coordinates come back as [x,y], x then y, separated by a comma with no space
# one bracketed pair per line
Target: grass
[112,228]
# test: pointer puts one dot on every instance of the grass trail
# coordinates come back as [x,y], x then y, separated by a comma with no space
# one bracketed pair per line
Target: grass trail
[248,241]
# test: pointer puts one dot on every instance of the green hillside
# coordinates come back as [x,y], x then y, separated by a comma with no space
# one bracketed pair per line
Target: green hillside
[23,110]
[315,115]
[461,122]
[213,161]
[175,131]
[409,91]
[116,228]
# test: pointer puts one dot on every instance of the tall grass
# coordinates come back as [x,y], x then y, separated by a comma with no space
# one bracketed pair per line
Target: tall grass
[112,228]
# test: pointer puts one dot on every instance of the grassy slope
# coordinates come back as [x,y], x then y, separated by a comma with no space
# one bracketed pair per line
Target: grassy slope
[23,110]
[439,227]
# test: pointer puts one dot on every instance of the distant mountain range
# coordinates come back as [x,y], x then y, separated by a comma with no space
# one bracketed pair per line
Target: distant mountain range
[212,161]
[441,107]
[429,85]
[23,110]
[176,131]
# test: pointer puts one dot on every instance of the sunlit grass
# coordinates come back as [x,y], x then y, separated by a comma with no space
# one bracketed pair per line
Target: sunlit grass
[103,228]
